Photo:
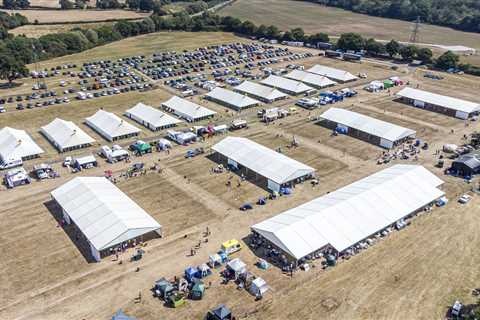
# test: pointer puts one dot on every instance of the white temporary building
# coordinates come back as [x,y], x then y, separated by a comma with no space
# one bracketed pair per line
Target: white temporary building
[187,110]
[260,92]
[333,73]
[231,99]
[455,107]
[17,145]
[312,79]
[103,213]
[110,126]
[277,168]
[353,213]
[65,135]
[151,118]
[286,85]
[388,134]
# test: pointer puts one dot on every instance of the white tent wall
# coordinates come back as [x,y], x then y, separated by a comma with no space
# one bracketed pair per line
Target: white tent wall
[387,144]
[273,186]
[461,115]
[95,253]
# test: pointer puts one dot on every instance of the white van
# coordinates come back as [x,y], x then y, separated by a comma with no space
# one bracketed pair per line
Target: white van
[10,163]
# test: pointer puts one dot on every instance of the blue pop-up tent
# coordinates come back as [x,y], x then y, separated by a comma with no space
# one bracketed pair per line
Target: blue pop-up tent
[191,273]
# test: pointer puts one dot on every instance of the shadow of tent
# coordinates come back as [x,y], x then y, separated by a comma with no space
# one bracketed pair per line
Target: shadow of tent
[262,253]
[75,235]
[250,176]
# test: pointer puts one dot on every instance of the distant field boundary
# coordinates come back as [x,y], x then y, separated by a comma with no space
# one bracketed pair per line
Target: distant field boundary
[81,22]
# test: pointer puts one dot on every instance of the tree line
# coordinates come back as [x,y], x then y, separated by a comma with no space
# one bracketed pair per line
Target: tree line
[459,14]
[17,51]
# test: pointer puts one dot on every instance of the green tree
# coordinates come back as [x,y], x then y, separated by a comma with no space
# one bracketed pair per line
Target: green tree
[374,47]
[297,34]
[393,48]
[11,68]
[66,4]
[351,41]
[447,60]
[146,5]
[318,37]
[3,33]
[9,4]
[425,55]
[272,32]
[92,36]
[408,53]
[248,28]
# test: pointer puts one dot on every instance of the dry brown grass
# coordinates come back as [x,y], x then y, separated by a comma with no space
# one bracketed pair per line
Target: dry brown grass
[36,31]
[287,14]
[69,16]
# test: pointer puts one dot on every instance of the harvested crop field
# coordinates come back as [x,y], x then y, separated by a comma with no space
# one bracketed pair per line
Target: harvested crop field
[72,16]
[406,275]
[36,31]
[312,17]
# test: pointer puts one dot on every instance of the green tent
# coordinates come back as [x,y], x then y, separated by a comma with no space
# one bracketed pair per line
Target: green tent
[388,84]
[197,291]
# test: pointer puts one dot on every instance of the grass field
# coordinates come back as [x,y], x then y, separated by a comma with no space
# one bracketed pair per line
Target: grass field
[69,16]
[412,274]
[36,31]
[146,45]
[287,14]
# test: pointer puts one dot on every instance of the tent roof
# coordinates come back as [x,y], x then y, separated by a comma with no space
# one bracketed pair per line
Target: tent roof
[104,214]
[236,265]
[152,116]
[350,214]
[232,98]
[439,100]
[110,125]
[119,315]
[17,144]
[286,84]
[66,134]
[259,90]
[266,162]
[310,78]
[188,108]
[332,73]
[375,127]
[221,312]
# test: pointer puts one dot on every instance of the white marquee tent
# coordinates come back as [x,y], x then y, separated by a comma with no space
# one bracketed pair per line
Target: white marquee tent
[388,133]
[103,213]
[260,92]
[276,167]
[312,79]
[110,126]
[151,118]
[231,99]
[463,109]
[187,110]
[17,145]
[65,135]
[353,213]
[332,73]
[286,85]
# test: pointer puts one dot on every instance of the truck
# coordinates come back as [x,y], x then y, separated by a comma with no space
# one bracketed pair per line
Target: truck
[10,163]
[238,124]
[115,154]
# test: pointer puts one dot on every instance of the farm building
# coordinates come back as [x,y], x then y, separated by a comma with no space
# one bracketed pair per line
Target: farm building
[231,99]
[289,86]
[349,215]
[467,164]
[110,126]
[66,136]
[311,79]
[187,110]
[17,145]
[151,118]
[260,92]
[378,132]
[103,213]
[442,104]
[337,75]
[276,170]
